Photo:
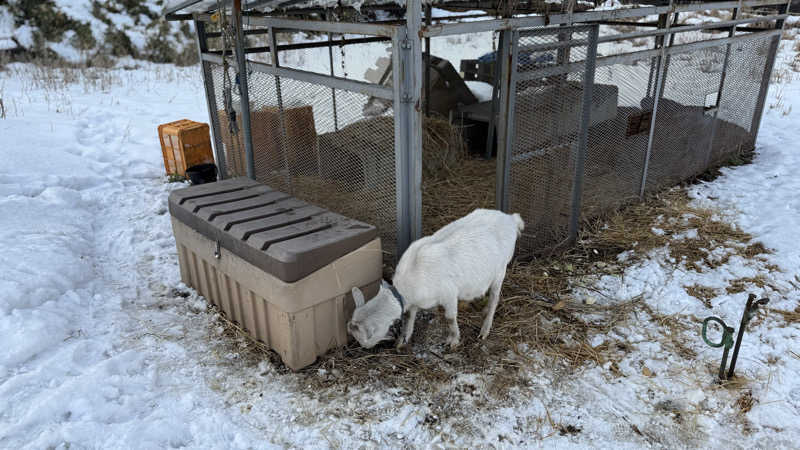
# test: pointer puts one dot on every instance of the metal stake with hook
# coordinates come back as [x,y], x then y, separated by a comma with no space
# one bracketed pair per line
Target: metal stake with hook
[750,310]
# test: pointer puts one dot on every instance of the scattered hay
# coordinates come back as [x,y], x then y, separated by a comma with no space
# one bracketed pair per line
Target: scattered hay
[674,331]
[790,317]
[689,233]
[745,401]
[742,284]
[702,293]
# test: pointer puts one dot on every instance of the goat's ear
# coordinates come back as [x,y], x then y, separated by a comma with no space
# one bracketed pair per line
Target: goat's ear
[358,297]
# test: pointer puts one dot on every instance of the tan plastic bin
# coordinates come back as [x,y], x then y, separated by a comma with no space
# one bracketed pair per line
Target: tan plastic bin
[279,267]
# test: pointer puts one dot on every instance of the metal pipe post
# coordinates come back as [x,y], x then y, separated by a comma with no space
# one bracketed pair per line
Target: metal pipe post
[659,85]
[427,70]
[211,100]
[490,131]
[244,90]
[333,90]
[413,82]
[505,118]
[762,93]
[273,42]
[401,139]
[407,86]
[715,113]
[583,138]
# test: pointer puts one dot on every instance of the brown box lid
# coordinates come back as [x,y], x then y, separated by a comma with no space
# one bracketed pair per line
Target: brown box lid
[276,232]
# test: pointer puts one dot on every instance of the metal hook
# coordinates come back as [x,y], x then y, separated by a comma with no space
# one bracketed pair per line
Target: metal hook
[750,310]
[726,341]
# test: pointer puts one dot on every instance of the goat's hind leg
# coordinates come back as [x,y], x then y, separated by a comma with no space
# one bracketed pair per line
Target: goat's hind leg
[494,299]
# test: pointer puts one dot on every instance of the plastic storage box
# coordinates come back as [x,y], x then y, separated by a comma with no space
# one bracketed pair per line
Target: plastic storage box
[184,143]
[280,268]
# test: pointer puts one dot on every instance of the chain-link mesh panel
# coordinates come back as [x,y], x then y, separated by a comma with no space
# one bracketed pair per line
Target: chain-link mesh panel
[547,123]
[684,120]
[333,157]
[618,135]
[233,150]
[208,75]
[737,107]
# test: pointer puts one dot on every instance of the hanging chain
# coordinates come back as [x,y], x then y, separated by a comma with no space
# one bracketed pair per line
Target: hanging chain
[227,35]
[341,42]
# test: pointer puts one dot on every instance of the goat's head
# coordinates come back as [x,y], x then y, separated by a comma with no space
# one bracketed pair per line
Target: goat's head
[371,321]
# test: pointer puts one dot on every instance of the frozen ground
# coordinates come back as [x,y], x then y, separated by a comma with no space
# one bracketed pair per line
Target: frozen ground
[103,348]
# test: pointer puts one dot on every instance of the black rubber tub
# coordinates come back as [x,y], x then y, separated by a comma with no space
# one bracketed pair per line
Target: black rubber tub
[202,173]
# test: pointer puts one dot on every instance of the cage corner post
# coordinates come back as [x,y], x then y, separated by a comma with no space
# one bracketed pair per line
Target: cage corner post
[507,82]
[772,54]
[657,87]
[583,138]
[244,90]
[201,40]
[407,86]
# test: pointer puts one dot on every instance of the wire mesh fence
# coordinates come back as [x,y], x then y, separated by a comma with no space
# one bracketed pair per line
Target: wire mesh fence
[547,120]
[319,150]
[617,144]
[336,148]
[684,122]
[734,133]
[702,118]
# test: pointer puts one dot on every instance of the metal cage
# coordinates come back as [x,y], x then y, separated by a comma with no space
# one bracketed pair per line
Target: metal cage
[579,132]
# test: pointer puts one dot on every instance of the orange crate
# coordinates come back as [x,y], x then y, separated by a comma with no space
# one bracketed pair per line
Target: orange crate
[184,143]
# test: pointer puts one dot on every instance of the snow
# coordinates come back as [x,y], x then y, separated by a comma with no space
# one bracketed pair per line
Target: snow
[482,91]
[102,349]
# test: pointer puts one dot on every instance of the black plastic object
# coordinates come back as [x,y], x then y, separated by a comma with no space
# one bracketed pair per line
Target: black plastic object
[202,173]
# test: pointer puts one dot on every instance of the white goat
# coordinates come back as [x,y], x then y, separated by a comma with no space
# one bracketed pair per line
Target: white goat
[461,261]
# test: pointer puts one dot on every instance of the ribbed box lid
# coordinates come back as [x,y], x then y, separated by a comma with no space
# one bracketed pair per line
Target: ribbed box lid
[283,236]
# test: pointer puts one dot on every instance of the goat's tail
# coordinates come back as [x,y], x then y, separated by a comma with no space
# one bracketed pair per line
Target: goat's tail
[520,223]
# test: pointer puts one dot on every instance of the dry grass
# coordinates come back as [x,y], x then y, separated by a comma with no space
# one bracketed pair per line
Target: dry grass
[741,284]
[702,293]
[689,233]
[790,317]
[745,401]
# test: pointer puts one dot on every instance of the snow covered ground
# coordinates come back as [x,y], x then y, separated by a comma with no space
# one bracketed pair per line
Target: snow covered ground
[104,348]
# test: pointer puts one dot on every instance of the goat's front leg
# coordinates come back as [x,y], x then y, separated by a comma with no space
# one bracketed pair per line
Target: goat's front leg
[408,330]
[451,315]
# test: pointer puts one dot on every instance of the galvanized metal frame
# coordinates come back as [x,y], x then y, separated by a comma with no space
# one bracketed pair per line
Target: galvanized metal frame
[211,99]
[374,90]
[407,89]
[511,76]
[505,118]
[771,55]
[659,86]
[583,138]
[326,27]
[685,28]
[407,86]
[244,94]
[715,113]
[447,29]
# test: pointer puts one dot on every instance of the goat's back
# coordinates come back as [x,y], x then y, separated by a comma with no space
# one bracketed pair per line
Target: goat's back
[463,258]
